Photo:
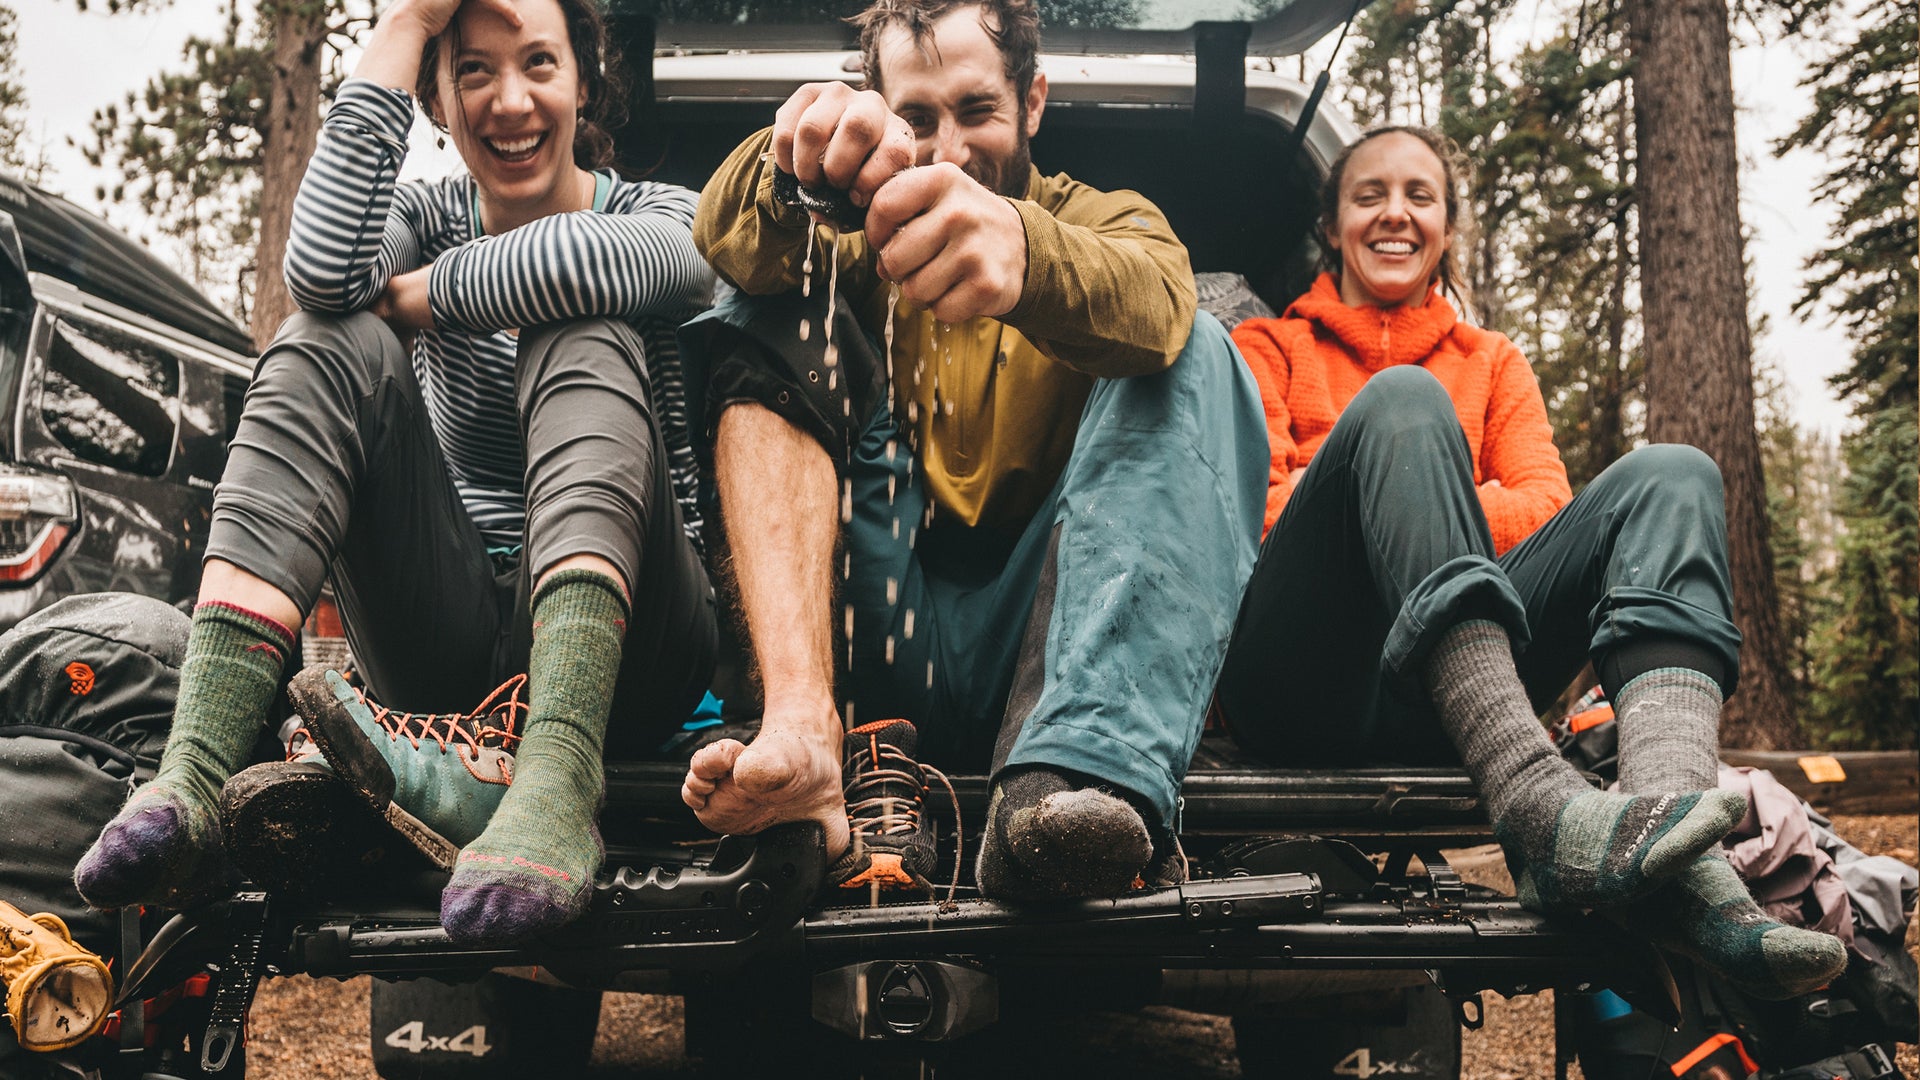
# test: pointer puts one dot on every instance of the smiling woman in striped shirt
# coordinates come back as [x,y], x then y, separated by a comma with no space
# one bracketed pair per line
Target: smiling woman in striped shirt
[514,493]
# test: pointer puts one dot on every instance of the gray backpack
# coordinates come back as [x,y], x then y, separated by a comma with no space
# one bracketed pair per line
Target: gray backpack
[87,688]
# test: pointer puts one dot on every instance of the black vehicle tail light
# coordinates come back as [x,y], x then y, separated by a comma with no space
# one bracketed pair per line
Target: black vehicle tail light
[37,514]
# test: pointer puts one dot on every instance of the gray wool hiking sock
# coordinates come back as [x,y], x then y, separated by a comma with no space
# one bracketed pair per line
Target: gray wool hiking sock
[1707,914]
[1669,729]
[532,869]
[1669,725]
[1570,845]
[164,845]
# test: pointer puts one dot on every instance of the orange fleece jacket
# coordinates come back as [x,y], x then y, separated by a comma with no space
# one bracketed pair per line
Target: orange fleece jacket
[1311,361]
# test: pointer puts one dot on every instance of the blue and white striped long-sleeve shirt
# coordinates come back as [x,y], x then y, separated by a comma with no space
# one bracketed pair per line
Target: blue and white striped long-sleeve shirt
[354,228]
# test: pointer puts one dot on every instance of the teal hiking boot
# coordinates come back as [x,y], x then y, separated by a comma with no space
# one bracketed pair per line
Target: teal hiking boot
[411,790]
[435,778]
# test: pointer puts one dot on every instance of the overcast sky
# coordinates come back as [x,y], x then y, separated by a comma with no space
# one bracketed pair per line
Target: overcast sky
[73,63]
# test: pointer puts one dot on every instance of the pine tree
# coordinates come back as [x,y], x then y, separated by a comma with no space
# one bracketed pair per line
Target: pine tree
[1694,313]
[1866,651]
[214,152]
[1572,152]
[20,154]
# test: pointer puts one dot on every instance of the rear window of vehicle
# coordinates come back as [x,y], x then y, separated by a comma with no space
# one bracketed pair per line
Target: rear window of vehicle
[111,399]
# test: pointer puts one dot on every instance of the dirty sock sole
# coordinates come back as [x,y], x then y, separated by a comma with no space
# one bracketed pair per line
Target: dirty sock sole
[1607,848]
[1707,915]
[160,849]
[1067,844]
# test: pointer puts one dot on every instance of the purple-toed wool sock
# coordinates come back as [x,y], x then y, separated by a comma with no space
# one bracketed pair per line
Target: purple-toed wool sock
[164,847]
[532,869]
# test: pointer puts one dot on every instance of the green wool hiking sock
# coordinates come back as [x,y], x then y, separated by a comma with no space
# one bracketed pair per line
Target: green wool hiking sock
[163,847]
[1669,725]
[1568,845]
[532,869]
[1707,914]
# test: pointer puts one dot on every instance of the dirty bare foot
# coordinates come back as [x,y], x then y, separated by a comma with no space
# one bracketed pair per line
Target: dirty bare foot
[784,775]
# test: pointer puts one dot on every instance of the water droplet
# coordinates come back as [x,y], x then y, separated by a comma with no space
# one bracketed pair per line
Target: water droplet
[846,501]
[889,648]
[909,626]
[806,328]
[929,674]
[806,264]
[893,590]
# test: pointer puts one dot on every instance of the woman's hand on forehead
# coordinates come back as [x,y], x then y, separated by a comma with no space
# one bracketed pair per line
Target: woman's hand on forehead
[435,15]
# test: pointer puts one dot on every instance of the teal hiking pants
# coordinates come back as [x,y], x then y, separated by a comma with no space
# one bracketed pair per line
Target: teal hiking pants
[1089,642]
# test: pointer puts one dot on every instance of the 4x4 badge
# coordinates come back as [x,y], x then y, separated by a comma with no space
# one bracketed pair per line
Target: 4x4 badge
[82,677]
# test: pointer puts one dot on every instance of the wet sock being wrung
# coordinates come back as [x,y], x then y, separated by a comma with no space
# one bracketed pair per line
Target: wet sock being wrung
[1053,835]
[1707,914]
[1567,844]
[164,846]
[532,869]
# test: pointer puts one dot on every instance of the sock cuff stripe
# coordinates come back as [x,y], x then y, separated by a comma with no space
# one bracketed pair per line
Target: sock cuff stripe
[563,578]
[252,620]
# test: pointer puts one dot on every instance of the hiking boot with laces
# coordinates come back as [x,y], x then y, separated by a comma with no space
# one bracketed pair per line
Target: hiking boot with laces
[365,790]
[895,844]
[435,777]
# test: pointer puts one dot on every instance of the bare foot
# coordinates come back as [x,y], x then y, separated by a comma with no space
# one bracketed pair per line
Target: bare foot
[784,776]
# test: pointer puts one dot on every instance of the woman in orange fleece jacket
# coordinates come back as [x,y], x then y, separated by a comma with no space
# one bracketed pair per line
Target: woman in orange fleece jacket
[1428,578]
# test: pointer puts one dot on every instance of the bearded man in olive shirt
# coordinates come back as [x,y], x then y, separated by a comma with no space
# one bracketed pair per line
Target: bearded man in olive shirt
[1027,503]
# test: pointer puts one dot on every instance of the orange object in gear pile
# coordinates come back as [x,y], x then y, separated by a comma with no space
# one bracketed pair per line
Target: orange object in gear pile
[58,994]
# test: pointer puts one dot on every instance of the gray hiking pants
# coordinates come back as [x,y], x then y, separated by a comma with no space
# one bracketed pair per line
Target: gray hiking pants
[336,469]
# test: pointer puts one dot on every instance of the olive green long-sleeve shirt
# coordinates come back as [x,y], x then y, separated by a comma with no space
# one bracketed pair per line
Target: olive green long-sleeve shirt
[992,405]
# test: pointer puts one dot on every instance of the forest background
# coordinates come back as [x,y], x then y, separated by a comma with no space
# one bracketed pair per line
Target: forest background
[1573,116]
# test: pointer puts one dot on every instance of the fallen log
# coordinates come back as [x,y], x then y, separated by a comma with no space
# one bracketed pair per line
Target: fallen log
[1849,782]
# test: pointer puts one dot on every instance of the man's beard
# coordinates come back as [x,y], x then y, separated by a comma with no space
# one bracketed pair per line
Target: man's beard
[1005,176]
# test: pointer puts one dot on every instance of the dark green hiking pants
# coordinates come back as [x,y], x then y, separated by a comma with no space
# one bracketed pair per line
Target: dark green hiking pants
[1383,547]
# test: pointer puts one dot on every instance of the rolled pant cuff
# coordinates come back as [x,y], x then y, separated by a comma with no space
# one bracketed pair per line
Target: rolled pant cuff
[1628,612]
[1102,756]
[289,555]
[1461,589]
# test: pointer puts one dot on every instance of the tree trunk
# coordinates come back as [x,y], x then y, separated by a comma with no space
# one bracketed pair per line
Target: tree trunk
[287,140]
[1609,412]
[1694,303]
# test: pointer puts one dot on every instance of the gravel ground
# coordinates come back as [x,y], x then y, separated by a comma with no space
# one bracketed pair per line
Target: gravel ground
[315,1029]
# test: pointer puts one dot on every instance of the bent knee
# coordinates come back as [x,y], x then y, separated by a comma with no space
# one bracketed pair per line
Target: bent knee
[358,344]
[583,341]
[1403,401]
[1670,469]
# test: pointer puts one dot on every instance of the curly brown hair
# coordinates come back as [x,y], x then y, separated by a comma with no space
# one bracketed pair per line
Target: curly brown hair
[595,57]
[1452,167]
[1014,26]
